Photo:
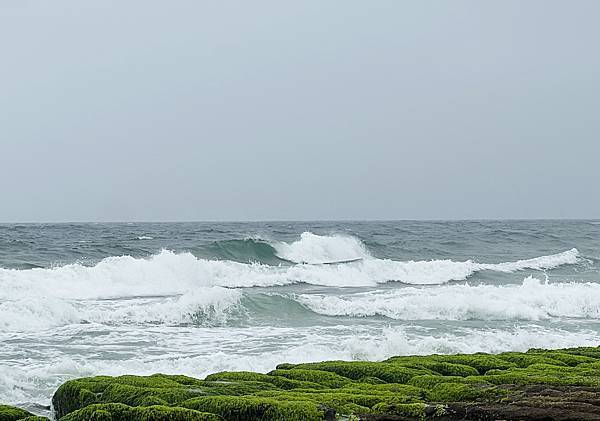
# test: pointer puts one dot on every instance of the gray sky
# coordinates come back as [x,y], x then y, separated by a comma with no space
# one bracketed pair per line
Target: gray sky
[237,110]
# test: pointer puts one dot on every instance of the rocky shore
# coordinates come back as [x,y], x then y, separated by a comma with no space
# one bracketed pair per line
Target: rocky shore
[536,385]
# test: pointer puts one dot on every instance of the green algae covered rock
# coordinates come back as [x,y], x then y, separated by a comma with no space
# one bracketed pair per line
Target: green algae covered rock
[507,386]
[457,365]
[122,412]
[321,378]
[241,408]
[11,413]
[278,382]
[158,389]
[355,370]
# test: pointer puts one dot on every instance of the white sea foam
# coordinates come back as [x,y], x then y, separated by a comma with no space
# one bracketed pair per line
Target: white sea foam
[543,262]
[532,300]
[208,305]
[168,273]
[38,298]
[318,249]
[198,352]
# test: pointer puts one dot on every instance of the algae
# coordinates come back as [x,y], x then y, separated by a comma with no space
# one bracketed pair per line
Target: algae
[449,387]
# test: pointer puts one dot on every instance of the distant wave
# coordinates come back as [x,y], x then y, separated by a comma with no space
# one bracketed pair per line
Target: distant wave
[319,249]
[247,250]
[309,249]
[538,263]
[532,300]
[312,249]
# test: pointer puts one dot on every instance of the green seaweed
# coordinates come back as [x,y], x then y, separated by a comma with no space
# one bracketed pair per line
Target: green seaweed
[480,362]
[567,358]
[144,391]
[546,374]
[409,387]
[429,381]
[241,408]
[444,368]
[355,370]
[12,413]
[324,378]
[522,360]
[246,376]
[122,412]
[454,392]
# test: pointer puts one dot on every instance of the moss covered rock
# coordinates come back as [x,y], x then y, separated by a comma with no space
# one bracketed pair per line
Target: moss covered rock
[158,389]
[435,387]
[275,380]
[122,412]
[323,378]
[11,413]
[242,408]
[356,370]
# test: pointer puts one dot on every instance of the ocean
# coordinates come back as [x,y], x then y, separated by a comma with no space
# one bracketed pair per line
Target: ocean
[195,298]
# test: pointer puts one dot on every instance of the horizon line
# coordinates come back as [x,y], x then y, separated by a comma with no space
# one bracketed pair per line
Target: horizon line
[248,221]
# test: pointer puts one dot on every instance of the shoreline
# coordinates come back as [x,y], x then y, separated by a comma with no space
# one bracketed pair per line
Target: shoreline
[561,384]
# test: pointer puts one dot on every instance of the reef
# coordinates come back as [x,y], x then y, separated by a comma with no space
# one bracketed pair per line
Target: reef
[536,385]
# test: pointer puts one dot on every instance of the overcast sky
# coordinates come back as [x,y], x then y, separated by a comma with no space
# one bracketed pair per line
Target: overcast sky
[259,110]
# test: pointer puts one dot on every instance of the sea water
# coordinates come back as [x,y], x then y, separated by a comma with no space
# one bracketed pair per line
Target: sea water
[195,298]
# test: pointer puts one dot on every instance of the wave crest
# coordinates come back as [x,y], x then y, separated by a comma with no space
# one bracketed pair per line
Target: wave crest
[213,306]
[322,249]
[533,300]
[189,289]
[169,273]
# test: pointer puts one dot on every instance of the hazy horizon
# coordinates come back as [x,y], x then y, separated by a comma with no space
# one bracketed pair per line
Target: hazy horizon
[250,221]
[310,111]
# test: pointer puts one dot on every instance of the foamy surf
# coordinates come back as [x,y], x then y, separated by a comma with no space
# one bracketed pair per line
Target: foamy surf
[244,349]
[189,289]
[206,306]
[169,273]
[192,287]
[322,249]
[533,300]
[230,296]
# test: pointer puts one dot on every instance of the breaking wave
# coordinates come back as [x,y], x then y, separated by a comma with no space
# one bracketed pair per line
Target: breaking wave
[248,250]
[169,273]
[171,288]
[207,306]
[320,249]
[532,300]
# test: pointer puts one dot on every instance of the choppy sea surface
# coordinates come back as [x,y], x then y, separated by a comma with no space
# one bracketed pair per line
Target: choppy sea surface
[195,298]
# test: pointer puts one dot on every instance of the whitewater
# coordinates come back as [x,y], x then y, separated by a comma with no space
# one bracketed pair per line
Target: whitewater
[85,299]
